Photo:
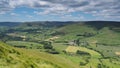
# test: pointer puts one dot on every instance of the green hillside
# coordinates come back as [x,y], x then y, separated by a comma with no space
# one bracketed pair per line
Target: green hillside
[71,31]
[21,58]
[104,33]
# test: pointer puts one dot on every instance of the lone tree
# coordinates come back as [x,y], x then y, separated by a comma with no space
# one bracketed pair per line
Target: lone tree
[78,41]
[48,45]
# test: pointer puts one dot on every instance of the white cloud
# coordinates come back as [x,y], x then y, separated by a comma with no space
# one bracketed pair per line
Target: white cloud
[14,14]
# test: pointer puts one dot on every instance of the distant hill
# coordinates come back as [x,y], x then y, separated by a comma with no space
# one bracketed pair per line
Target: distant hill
[101,24]
[9,24]
[47,23]
[96,24]
[87,26]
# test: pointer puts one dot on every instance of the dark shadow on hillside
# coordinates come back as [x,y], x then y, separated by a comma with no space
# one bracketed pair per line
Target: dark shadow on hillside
[100,24]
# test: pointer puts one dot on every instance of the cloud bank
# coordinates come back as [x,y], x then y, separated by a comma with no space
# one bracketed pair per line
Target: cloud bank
[105,8]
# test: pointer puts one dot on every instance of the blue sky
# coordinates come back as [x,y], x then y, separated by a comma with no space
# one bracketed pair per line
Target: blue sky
[59,10]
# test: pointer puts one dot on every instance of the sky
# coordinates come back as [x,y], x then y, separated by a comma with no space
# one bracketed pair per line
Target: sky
[59,10]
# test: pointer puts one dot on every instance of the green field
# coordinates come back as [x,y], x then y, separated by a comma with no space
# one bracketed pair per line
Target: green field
[28,45]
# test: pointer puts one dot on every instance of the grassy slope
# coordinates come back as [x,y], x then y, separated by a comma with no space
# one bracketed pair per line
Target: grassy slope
[21,58]
[106,36]
[74,29]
